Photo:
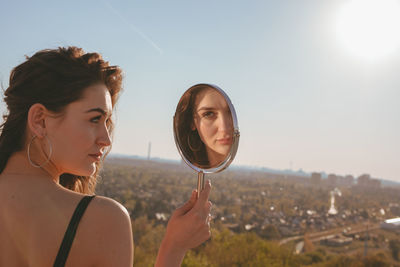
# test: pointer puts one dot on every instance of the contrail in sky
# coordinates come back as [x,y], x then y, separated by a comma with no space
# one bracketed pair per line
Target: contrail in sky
[134,28]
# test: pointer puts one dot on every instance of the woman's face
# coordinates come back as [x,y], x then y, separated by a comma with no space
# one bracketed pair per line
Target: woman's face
[80,136]
[213,121]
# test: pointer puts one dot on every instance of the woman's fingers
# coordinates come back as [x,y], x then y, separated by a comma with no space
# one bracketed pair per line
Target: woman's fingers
[202,208]
[188,205]
[189,226]
[203,232]
[203,199]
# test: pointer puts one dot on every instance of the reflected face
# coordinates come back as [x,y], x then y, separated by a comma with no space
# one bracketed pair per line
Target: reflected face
[213,121]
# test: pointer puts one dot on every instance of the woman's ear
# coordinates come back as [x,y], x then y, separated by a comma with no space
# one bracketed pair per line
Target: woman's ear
[36,119]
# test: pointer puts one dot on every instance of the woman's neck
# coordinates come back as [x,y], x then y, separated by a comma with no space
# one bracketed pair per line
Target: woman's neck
[18,165]
[215,158]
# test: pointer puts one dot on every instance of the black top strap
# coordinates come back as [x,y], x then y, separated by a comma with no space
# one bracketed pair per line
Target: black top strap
[71,231]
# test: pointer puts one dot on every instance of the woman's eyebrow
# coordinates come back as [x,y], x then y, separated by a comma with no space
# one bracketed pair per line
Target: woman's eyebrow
[205,108]
[102,111]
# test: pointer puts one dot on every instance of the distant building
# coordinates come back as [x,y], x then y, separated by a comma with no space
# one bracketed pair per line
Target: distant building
[391,224]
[161,217]
[375,183]
[332,179]
[348,180]
[149,151]
[345,181]
[365,181]
[316,178]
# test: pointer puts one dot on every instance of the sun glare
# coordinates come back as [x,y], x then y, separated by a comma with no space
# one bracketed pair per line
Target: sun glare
[369,29]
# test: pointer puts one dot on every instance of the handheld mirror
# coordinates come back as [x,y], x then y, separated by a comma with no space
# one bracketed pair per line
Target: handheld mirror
[206,131]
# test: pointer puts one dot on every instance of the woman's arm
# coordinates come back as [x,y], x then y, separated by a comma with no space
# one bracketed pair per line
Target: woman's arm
[187,228]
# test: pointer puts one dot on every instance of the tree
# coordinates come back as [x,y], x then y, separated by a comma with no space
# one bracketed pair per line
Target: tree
[270,232]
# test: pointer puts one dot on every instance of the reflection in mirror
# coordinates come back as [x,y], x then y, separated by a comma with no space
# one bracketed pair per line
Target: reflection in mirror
[204,126]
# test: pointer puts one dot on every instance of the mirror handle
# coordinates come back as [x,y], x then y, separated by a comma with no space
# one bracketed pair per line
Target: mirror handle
[200,183]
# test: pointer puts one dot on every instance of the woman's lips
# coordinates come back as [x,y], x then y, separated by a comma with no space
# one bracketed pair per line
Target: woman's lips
[225,141]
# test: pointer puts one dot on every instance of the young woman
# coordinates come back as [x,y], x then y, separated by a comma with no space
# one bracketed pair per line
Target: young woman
[53,140]
[204,124]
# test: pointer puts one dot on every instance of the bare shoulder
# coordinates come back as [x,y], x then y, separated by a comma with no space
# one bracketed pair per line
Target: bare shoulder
[108,227]
[107,207]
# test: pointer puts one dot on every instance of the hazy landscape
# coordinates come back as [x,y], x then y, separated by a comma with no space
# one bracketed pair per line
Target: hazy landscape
[261,217]
[315,85]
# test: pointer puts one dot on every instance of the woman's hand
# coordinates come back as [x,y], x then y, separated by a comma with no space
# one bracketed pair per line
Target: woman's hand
[188,227]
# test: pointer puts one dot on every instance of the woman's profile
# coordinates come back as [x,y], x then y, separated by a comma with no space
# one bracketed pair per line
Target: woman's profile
[53,140]
[204,125]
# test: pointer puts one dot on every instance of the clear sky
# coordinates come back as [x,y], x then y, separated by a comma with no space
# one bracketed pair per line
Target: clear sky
[306,94]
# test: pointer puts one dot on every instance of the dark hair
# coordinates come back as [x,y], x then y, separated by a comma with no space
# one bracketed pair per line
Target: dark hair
[191,145]
[53,78]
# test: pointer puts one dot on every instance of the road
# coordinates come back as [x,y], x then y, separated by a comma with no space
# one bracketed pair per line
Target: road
[317,236]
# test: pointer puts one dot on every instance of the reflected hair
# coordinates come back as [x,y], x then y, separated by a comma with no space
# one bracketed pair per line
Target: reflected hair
[54,78]
[191,145]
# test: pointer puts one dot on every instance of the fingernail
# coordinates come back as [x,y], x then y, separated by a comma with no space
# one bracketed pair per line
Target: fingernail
[209,182]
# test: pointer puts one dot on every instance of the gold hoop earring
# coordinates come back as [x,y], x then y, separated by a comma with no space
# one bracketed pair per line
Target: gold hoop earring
[190,146]
[29,150]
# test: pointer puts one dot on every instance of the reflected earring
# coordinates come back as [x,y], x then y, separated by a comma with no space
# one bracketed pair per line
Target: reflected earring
[29,150]
[190,146]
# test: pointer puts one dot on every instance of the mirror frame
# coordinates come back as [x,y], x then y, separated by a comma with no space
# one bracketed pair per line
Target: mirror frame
[235,144]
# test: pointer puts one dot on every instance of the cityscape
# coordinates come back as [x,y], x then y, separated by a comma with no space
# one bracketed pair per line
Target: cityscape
[334,217]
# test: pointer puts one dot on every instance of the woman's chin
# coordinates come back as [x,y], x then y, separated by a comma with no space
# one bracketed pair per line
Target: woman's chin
[223,153]
[217,157]
[89,171]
